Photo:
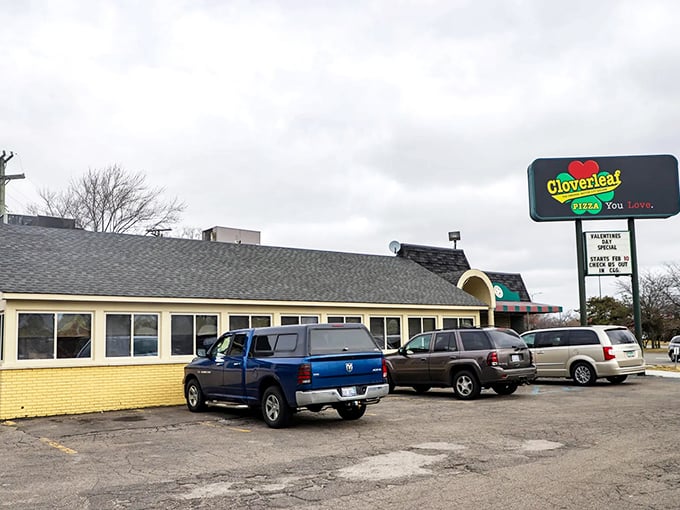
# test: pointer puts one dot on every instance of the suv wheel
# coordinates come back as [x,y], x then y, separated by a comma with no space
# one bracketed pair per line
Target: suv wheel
[421,388]
[351,410]
[504,388]
[583,374]
[465,385]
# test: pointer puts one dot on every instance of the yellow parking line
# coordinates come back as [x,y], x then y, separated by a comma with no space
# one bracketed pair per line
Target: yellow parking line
[58,446]
[9,423]
[239,430]
[217,424]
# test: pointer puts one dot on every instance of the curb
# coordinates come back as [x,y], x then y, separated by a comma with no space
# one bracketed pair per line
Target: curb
[663,373]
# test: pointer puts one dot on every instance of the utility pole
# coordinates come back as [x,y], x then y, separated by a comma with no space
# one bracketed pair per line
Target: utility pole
[4,179]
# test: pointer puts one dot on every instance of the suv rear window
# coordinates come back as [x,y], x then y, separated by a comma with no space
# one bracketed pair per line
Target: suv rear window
[504,338]
[475,341]
[620,336]
[326,341]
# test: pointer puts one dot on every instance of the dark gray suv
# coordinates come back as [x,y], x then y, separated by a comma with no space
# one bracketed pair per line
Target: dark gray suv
[467,359]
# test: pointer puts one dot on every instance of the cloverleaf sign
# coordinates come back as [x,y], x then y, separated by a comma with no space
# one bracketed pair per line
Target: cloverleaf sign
[584,187]
[604,187]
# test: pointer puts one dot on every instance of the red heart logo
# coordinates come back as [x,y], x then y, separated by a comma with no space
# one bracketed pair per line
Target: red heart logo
[580,170]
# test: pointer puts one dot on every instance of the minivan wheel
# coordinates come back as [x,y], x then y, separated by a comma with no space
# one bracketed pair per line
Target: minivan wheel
[275,410]
[583,374]
[617,379]
[504,388]
[465,385]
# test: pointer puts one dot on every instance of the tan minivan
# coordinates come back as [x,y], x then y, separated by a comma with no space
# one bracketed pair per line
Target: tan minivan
[585,353]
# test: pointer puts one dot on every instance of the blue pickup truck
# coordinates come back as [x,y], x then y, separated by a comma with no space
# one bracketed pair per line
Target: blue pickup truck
[281,370]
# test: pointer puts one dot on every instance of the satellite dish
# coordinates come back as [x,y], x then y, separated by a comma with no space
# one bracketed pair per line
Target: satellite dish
[395,247]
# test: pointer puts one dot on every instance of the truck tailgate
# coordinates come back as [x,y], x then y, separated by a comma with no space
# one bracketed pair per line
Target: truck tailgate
[334,371]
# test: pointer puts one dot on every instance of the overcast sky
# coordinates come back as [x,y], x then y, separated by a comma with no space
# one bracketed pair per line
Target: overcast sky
[344,125]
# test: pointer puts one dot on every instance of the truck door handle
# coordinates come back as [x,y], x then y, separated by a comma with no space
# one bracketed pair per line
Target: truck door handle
[236,364]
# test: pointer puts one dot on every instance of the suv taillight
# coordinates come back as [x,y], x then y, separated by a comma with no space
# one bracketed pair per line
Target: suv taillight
[384,370]
[608,352]
[492,359]
[304,374]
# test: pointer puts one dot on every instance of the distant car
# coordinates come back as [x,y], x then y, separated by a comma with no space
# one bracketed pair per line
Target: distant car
[675,342]
[467,359]
[586,353]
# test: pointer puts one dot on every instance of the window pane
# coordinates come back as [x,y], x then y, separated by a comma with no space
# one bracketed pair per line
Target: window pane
[467,322]
[146,335]
[182,334]
[261,321]
[118,341]
[475,341]
[393,332]
[287,320]
[286,343]
[309,319]
[2,334]
[583,337]
[414,326]
[73,334]
[238,322]
[353,320]
[450,323]
[206,331]
[377,328]
[429,324]
[336,320]
[36,336]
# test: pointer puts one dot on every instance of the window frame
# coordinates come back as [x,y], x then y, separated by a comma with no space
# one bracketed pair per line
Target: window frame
[422,328]
[250,317]
[55,334]
[299,319]
[383,339]
[343,319]
[131,354]
[195,331]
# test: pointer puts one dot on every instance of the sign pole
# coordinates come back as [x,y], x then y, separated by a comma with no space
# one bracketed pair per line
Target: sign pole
[580,261]
[635,283]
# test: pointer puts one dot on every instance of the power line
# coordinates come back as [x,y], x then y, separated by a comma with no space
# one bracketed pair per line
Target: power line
[4,179]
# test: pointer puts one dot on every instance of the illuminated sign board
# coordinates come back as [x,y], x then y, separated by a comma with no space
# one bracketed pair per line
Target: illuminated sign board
[608,253]
[615,187]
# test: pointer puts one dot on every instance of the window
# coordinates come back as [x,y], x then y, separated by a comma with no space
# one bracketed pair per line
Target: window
[620,336]
[336,340]
[551,339]
[54,335]
[420,325]
[249,321]
[287,320]
[131,335]
[2,334]
[475,340]
[529,339]
[386,331]
[420,343]
[458,322]
[188,333]
[340,319]
[286,343]
[583,337]
[445,341]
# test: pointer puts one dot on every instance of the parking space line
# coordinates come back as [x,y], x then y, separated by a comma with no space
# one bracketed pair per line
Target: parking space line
[218,424]
[58,446]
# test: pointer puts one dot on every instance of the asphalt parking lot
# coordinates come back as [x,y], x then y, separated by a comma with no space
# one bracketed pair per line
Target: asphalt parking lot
[550,445]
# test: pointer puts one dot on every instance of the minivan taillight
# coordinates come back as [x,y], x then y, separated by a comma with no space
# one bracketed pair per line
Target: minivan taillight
[608,352]
[304,374]
[492,359]
[384,369]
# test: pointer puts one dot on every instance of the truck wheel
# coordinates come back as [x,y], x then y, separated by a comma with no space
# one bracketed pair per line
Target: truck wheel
[465,385]
[351,410]
[194,396]
[275,410]
[504,388]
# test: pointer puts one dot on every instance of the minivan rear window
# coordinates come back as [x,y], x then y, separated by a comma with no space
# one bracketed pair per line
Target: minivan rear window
[621,336]
[327,341]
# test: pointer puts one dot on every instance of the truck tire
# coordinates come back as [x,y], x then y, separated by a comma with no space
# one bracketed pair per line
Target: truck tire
[275,410]
[194,396]
[351,410]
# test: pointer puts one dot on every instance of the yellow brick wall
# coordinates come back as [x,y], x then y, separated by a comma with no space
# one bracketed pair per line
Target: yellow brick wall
[53,391]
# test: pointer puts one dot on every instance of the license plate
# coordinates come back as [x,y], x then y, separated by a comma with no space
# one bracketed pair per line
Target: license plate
[350,391]
[630,354]
[515,358]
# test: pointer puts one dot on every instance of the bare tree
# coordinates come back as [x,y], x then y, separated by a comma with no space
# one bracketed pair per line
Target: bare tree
[111,200]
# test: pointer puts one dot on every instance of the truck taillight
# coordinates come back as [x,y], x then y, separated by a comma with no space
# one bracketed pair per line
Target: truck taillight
[384,369]
[608,353]
[492,359]
[304,374]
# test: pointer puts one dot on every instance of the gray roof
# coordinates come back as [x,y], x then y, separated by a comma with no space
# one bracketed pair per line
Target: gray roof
[39,260]
[450,264]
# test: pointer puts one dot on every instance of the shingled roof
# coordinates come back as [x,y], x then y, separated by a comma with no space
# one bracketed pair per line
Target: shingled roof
[450,264]
[38,260]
